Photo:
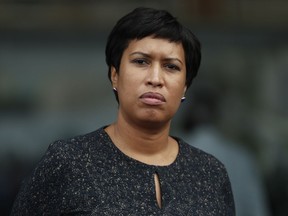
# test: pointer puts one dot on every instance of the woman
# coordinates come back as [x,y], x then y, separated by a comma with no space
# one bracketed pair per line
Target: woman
[133,166]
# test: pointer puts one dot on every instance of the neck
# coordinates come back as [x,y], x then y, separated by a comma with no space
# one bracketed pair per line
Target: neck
[146,144]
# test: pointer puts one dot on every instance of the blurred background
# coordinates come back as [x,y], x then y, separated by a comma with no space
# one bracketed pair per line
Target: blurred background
[53,84]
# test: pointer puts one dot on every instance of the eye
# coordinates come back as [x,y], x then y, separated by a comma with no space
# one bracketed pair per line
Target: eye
[140,61]
[172,67]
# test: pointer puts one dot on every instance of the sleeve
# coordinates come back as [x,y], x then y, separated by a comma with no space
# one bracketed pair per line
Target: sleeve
[40,193]
[228,199]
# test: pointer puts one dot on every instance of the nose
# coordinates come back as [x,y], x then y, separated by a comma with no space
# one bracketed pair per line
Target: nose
[155,76]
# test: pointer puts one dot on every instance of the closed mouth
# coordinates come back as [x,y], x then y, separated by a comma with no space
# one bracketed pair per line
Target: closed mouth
[152,98]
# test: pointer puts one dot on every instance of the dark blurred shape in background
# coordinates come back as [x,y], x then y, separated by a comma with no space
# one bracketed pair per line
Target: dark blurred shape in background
[53,81]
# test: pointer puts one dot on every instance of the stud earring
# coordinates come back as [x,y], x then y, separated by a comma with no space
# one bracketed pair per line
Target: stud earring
[116,93]
[183,99]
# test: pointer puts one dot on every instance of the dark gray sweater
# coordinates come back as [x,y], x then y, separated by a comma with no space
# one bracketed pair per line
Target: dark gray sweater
[89,175]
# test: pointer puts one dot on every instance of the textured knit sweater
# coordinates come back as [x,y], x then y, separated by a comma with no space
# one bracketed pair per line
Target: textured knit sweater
[89,175]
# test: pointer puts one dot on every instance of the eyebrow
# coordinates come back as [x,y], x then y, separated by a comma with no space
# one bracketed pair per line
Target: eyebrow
[140,53]
[148,56]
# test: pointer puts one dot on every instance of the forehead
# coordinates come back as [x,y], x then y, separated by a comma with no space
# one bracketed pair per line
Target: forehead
[156,46]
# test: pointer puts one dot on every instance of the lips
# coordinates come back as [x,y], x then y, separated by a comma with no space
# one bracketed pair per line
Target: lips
[152,98]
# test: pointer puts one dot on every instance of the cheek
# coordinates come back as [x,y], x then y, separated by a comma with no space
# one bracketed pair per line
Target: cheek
[178,88]
[128,87]
[130,80]
[127,84]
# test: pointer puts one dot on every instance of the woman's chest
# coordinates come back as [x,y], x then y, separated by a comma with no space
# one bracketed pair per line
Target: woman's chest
[113,191]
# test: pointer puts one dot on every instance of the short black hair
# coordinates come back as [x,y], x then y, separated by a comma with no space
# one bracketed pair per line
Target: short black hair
[143,22]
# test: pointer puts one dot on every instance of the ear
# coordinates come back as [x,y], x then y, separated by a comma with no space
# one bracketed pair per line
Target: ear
[114,77]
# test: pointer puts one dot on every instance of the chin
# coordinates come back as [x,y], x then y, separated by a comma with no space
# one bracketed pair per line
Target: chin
[154,119]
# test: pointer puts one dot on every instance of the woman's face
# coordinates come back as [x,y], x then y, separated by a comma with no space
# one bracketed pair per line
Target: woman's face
[150,81]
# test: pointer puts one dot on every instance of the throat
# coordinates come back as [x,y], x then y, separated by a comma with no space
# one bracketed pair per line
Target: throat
[155,149]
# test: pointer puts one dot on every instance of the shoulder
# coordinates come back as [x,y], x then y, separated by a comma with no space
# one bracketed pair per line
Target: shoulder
[197,154]
[59,168]
[207,176]
[207,168]
[62,156]
[197,159]
[77,145]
